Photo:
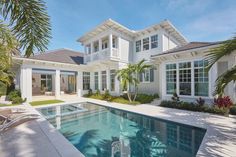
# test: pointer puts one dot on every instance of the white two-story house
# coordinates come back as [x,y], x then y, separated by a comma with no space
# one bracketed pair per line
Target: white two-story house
[178,65]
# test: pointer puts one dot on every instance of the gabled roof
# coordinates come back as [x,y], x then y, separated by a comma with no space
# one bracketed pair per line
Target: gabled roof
[61,56]
[188,46]
[111,24]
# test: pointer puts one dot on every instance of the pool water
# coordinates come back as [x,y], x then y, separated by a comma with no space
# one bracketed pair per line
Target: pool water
[104,132]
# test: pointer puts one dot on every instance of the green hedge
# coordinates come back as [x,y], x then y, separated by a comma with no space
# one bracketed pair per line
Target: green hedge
[194,107]
[3,89]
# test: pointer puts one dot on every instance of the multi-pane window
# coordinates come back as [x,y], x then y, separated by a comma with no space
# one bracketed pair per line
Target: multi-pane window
[96,46]
[112,79]
[86,80]
[146,44]
[46,83]
[96,80]
[138,46]
[154,41]
[104,80]
[114,43]
[200,78]
[146,75]
[185,78]
[170,78]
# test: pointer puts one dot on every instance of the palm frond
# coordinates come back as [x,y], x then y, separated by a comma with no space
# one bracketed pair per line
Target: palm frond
[29,22]
[223,80]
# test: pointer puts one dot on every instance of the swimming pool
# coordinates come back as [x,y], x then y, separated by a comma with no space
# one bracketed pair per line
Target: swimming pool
[99,131]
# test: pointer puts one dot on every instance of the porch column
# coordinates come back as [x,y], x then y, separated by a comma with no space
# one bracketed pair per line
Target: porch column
[79,83]
[100,44]
[108,80]
[118,46]
[26,83]
[92,85]
[213,74]
[57,85]
[110,44]
[117,86]
[100,80]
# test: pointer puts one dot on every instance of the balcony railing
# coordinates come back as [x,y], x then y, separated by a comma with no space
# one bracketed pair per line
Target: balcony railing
[102,55]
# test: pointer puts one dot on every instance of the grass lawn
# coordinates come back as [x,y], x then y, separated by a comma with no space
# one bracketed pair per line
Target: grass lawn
[5,105]
[45,102]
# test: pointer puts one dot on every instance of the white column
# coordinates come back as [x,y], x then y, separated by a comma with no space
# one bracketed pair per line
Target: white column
[100,44]
[79,83]
[92,85]
[57,84]
[26,84]
[213,74]
[108,80]
[100,80]
[118,46]
[92,47]
[110,44]
[117,86]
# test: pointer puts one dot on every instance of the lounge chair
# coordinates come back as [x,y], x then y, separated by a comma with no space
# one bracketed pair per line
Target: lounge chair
[11,120]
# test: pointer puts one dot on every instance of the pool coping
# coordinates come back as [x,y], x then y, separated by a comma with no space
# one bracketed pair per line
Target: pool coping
[219,139]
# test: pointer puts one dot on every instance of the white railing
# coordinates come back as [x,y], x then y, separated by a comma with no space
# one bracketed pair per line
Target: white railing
[102,55]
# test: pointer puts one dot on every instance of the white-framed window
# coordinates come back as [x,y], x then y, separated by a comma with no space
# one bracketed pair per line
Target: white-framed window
[171,76]
[201,79]
[138,46]
[88,49]
[104,80]
[185,78]
[104,44]
[96,46]
[146,44]
[188,78]
[147,76]
[86,80]
[154,41]
[112,79]
[96,80]
[114,43]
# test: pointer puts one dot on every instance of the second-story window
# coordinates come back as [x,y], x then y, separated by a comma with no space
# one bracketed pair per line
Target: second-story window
[154,41]
[88,49]
[138,46]
[96,48]
[146,44]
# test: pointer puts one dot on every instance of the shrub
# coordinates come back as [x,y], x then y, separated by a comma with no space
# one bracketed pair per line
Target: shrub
[98,92]
[17,100]
[200,101]
[15,97]
[193,107]
[144,98]
[232,110]
[223,102]
[106,95]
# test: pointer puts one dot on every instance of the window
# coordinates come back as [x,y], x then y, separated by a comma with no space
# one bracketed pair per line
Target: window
[154,41]
[46,83]
[185,78]
[96,45]
[138,46]
[170,78]
[96,80]
[114,43]
[88,49]
[200,78]
[112,77]
[86,80]
[146,44]
[104,80]
[105,44]
[147,75]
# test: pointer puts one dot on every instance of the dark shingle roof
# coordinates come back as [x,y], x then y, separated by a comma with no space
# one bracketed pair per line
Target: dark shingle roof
[188,46]
[61,56]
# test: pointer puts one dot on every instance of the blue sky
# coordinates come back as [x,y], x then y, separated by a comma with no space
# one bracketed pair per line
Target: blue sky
[197,20]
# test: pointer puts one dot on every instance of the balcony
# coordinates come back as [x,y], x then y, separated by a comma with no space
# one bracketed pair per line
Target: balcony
[104,54]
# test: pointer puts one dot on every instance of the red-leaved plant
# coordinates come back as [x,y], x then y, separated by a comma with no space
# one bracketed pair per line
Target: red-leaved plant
[223,102]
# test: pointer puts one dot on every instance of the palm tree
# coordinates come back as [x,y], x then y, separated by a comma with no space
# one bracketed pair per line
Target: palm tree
[226,48]
[25,26]
[139,68]
[130,77]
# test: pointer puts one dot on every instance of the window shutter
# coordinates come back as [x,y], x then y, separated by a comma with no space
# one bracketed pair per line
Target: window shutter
[141,77]
[151,75]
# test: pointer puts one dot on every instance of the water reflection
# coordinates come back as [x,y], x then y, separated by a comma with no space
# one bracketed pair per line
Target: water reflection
[105,132]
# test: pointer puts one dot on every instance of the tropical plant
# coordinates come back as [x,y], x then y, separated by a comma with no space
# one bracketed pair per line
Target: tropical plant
[224,49]
[130,77]
[24,26]
[200,101]
[223,102]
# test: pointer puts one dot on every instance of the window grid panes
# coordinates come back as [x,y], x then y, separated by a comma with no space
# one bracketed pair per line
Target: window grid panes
[104,80]
[96,80]
[146,76]
[200,78]
[112,77]
[154,41]
[170,78]
[146,44]
[138,46]
[185,78]
[86,80]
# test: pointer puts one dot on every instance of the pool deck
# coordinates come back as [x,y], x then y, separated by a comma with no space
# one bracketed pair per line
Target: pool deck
[39,138]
